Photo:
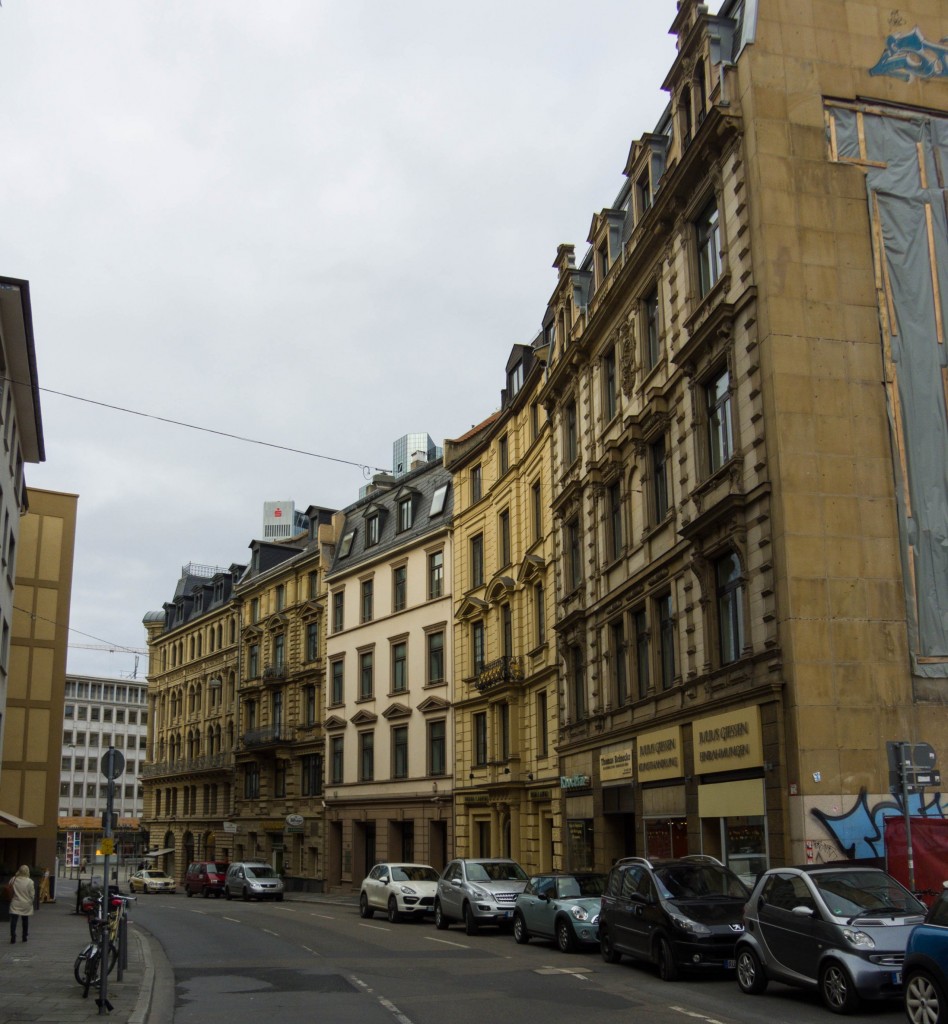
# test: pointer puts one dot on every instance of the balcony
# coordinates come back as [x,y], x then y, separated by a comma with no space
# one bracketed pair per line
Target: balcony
[508,669]
[189,765]
[274,675]
[265,736]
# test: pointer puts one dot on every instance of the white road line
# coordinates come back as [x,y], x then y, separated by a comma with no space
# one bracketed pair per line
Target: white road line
[446,942]
[395,1012]
[313,951]
[235,919]
[697,1016]
[325,917]
[377,927]
[267,930]
[190,911]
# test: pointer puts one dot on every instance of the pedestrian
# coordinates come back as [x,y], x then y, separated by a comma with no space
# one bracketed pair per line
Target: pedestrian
[21,906]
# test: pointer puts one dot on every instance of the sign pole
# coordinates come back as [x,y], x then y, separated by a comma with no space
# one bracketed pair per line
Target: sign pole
[907,764]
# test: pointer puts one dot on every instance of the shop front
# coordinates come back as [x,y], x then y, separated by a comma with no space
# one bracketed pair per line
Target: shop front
[660,764]
[616,781]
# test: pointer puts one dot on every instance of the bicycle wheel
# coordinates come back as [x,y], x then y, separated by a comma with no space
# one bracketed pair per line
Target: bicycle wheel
[91,970]
[79,968]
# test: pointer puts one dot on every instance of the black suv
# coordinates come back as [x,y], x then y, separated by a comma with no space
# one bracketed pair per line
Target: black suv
[679,914]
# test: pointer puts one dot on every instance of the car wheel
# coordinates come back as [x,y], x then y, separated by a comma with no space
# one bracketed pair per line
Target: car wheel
[750,972]
[565,936]
[470,921]
[246,894]
[837,989]
[667,968]
[188,893]
[227,895]
[441,922]
[364,909]
[393,915]
[924,1000]
[606,948]
[205,892]
[521,934]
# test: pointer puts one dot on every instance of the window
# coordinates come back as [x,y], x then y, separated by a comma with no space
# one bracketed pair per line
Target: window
[366,675]
[659,479]
[253,661]
[309,705]
[543,731]
[336,682]
[404,515]
[503,725]
[644,189]
[69,711]
[620,677]
[311,770]
[336,759]
[345,545]
[368,592]
[312,641]
[399,588]
[477,647]
[338,609]
[438,500]
[279,651]
[534,421]
[650,334]
[708,236]
[602,263]
[506,628]
[251,781]
[730,606]
[609,385]
[536,505]
[280,597]
[366,756]
[504,537]
[615,520]
[570,439]
[279,779]
[399,751]
[254,609]
[640,627]
[503,454]
[372,530]
[720,438]
[477,560]
[574,560]
[476,490]
[539,613]
[400,666]
[314,584]
[577,682]
[479,725]
[515,379]
[436,657]
[435,574]
[666,639]
[437,748]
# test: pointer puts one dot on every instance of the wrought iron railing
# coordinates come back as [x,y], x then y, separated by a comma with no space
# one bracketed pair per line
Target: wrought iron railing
[508,669]
[263,736]
[203,763]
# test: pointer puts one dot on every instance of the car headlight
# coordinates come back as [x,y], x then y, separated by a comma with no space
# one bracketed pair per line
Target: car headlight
[407,890]
[688,924]
[858,938]
[476,890]
[580,913]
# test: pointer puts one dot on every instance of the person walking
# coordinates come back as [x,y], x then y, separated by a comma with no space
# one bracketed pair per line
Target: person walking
[21,906]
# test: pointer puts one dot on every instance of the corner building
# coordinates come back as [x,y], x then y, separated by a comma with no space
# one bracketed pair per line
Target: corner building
[747,393]
[505,668]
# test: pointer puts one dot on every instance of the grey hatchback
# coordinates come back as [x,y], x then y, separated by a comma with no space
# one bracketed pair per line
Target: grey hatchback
[837,928]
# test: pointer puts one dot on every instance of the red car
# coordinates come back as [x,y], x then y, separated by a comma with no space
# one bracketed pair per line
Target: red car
[205,877]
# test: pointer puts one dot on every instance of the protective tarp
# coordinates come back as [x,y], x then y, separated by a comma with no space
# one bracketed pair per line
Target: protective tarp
[906,159]
[929,853]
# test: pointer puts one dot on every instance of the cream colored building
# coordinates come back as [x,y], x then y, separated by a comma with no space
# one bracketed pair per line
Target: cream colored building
[505,668]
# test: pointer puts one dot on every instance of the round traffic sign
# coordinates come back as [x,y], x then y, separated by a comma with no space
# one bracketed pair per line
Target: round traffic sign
[112,763]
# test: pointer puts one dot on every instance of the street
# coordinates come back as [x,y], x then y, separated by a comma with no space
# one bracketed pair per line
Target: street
[237,963]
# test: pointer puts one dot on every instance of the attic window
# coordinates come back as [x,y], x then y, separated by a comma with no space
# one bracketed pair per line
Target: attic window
[346,546]
[371,531]
[515,379]
[404,515]
[437,500]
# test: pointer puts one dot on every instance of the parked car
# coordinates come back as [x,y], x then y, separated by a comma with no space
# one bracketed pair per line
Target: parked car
[925,970]
[251,880]
[401,890]
[479,891]
[682,914]
[840,929]
[562,907]
[151,880]
[206,877]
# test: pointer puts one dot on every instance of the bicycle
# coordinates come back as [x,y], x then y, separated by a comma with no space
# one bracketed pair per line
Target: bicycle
[88,966]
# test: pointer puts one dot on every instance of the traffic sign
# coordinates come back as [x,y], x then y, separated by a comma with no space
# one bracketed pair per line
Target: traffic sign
[112,763]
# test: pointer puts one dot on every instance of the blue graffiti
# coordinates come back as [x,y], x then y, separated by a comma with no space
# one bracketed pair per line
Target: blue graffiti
[911,55]
[859,832]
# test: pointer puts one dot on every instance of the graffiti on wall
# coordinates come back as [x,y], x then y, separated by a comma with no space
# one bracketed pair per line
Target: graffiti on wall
[858,833]
[911,56]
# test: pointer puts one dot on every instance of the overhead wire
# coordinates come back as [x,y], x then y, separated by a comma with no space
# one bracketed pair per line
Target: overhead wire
[121,648]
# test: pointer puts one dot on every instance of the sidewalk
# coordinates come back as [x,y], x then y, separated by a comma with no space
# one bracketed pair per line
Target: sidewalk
[38,982]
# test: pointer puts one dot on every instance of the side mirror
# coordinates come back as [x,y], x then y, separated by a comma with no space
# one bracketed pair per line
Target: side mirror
[456,882]
[802,911]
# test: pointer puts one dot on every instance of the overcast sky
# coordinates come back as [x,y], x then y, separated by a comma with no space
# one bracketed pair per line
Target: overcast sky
[321,225]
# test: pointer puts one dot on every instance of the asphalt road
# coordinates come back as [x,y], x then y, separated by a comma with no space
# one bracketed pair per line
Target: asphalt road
[252,963]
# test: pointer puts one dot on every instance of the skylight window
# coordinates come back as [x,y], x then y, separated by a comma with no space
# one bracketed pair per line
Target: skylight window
[346,546]
[438,499]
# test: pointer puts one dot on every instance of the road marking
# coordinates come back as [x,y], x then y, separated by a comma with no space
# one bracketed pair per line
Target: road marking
[190,911]
[697,1016]
[386,1003]
[235,919]
[267,930]
[577,972]
[377,927]
[459,945]
[325,917]
[313,951]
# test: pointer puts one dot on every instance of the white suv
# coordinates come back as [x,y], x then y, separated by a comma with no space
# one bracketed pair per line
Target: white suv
[479,891]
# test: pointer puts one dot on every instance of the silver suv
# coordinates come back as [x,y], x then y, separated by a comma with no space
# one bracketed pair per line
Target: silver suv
[479,891]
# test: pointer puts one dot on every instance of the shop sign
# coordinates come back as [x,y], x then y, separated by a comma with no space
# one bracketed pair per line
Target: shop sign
[477,800]
[659,755]
[272,825]
[294,823]
[727,742]
[615,763]
[539,795]
[230,826]
[574,782]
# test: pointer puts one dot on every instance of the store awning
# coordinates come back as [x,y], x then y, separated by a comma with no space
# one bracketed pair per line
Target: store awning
[159,853]
[11,819]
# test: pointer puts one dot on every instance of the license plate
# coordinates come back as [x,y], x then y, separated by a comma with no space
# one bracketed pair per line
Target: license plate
[508,913]
[730,965]
[896,977]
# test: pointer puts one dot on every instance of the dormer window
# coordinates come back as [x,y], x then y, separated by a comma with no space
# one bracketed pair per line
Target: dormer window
[644,189]
[405,517]
[515,379]
[602,262]
[372,530]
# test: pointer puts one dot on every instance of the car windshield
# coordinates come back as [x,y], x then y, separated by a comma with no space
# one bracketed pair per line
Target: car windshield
[414,873]
[852,892]
[261,871]
[580,885]
[495,871]
[218,869]
[699,881]
[154,874]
